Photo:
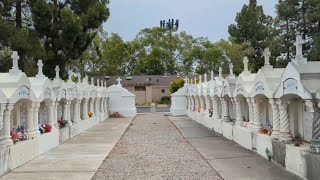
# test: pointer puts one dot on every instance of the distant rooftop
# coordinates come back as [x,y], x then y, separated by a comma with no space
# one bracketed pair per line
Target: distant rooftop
[144,80]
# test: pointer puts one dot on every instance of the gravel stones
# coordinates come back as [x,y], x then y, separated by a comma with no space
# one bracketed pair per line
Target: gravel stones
[152,148]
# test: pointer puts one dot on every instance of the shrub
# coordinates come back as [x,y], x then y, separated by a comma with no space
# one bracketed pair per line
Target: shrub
[165,100]
[176,84]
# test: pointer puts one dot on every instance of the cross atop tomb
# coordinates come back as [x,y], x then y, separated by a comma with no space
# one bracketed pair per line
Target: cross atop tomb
[15,68]
[220,72]
[40,66]
[212,75]
[231,71]
[299,59]
[69,75]
[98,82]
[299,42]
[119,81]
[191,81]
[79,78]
[200,79]
[92,83]
[186,80]
[205,77]
[266,55]
[195,80]
[245,64]
[57,69]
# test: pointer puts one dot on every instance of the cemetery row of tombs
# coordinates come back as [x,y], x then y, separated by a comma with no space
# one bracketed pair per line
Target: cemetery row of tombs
[37,114]
[274,112]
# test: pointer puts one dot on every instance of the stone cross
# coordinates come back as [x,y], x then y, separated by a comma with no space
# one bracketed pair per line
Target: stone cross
[200,79]
[191,81]
[70,75]
[15,68]
[92,83]
[266,55]
[245,64]
[299,59]
[79,78]
[231,71]
[195,80]
[98,82]
[212,75]
[57,69]
[220,71]
[40,66]
[205,77]
[119,81]
[299,42]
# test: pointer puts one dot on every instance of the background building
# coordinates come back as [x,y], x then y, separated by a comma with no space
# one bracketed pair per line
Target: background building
[147,88]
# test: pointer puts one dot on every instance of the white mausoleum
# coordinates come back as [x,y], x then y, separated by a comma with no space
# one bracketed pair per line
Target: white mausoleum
[37,114]
[276,110]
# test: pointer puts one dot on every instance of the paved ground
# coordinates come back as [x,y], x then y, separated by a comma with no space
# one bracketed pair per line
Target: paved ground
[232,161]
[152,148]
[77,159]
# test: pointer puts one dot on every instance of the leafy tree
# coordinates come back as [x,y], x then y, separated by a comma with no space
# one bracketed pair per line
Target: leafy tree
[176,85]
[254,27]
[66,28]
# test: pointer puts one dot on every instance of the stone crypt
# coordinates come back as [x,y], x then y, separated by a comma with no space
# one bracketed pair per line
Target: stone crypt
[274,112]
[37,114]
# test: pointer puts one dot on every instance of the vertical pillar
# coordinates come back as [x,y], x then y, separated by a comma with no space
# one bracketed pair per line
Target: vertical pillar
[285,134]
[6,141]
[96,110]
[77,106]
[225,110]
[239,118]
[36,117]
[85,110]
[2,109]
[18,113]
[30,121]
[64,111]
[250,106]
[215,108]
[51,113]
[315,142]
[92,106]
[69,113]
[256,115]
[55,114]
[275,119]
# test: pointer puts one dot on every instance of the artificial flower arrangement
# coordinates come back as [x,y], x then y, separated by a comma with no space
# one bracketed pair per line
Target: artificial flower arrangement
[199,109]
[90,114]
[62,123]
[46,128]
[18,134]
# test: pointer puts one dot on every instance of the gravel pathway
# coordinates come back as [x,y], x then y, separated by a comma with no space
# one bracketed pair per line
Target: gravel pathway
[152,148]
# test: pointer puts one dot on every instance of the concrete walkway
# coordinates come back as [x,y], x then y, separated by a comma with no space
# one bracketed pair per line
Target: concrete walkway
[77,159]
[232,161]
[153,148]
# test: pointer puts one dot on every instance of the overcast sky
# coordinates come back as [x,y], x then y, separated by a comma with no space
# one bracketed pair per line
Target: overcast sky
[207,18]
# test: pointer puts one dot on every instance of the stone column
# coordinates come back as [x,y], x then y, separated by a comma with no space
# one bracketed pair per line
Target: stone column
[2,109]
[36,116]
[215,108]
[225,110]
[64,111]
[92,107]
[51,113]
[275,119]
[256,115]
[18,113]
[6,141]
[315,142]
[55,114]
[250,106]
[96,110]
[77,106]
[69,113]
[239,118]
[30,121]
[85,110]
[285,134]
